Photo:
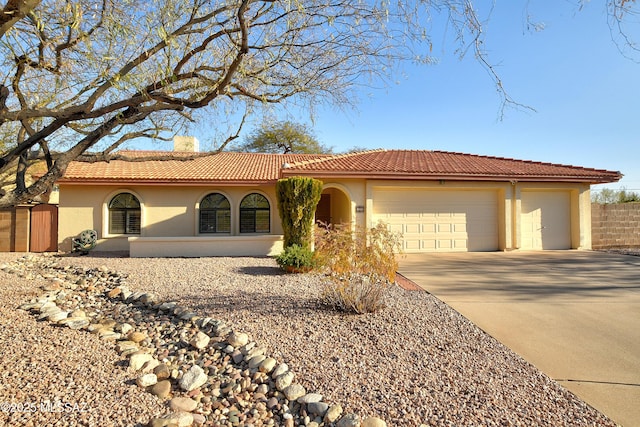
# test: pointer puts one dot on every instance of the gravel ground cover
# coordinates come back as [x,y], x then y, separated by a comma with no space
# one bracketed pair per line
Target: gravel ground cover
[51,376]
[415,362]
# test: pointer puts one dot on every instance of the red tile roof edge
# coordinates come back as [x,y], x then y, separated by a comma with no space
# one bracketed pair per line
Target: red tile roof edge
[525,161]
[307,167]
[460,177]
[339,156]
[533,162]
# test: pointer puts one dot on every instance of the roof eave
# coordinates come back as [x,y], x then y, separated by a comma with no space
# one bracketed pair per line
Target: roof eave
[456,177]
[149,182]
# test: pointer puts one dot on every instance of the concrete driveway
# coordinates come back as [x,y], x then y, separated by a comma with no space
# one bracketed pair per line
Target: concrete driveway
[573,314]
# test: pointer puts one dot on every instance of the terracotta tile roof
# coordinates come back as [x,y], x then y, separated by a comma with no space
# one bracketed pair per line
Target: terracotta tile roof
[244,168]
[422,164]
[226,167]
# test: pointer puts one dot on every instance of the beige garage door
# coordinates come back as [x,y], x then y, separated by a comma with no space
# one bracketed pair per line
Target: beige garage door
[545,220]
[444,221]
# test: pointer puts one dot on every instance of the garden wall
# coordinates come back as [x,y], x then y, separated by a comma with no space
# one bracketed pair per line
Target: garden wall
[615,225]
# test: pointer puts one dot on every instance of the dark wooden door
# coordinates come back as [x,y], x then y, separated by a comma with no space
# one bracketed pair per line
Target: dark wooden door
[44,228]
[323,211]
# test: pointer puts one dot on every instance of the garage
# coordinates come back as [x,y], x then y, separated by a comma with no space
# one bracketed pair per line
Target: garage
[440,221]
[545,220]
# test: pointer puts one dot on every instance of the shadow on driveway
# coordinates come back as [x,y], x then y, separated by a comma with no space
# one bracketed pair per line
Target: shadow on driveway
[525,276]
[573,314]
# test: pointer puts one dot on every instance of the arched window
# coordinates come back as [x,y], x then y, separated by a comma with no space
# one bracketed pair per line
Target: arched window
[215,214]
[254,214]
[124,214]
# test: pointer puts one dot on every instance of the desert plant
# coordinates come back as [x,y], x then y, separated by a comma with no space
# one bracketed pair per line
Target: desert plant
[297,200]
[360,264]
[295,258]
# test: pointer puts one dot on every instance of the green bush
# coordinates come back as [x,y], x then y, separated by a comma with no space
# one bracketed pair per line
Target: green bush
[298,198]
[296,258]
[360,264]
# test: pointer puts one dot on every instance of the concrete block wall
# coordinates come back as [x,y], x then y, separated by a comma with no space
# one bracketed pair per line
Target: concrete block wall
[615,225]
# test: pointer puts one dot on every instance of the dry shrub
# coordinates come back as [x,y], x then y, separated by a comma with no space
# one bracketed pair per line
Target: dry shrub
[359,263]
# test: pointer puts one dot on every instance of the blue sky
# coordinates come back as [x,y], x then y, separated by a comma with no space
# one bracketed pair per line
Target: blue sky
[585,93]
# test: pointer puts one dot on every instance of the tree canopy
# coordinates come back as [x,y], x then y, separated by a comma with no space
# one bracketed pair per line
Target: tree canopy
[283,137]
[607,196]
[81,77]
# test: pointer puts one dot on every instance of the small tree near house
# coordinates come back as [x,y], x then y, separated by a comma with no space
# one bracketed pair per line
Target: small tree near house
[297,200]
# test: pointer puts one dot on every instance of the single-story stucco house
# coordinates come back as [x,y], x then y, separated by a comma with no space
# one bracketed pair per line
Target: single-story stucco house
[224,204]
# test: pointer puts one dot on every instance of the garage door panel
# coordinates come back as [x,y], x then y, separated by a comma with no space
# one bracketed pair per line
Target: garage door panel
[444,228]
[428,228]
[428,246]
[412,229]
[445,244]
[460,244]
[412,244]
[440,220]
[545,220]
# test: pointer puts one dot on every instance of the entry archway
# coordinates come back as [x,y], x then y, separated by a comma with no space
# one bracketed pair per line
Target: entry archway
[334,206]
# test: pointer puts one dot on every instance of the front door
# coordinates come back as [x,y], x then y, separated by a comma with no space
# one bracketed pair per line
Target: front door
[323,210]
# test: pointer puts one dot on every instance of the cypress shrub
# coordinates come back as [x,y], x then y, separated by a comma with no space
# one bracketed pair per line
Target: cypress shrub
[297,200]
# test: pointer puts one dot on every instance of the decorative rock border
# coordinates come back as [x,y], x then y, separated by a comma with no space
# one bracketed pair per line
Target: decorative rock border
[207,372]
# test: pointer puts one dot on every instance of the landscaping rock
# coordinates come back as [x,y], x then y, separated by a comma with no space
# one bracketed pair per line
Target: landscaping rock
[283,381]
[161,389]
[267,365]
[183,404]
[147,380]
[171,346]
[180,419]
[192,379]
[333,413]
[162,371]
[281,369]
[294,391]
[137,337]
[310,398]
[237,339]
[349,420]
[373,422]
[318,408]
[200,341]
[136,361]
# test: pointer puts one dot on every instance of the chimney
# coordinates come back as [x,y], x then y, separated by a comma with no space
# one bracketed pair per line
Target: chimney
[186,143]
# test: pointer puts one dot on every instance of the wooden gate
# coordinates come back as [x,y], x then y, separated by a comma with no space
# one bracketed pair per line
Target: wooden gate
[14,229]
[44,228]
[7,233]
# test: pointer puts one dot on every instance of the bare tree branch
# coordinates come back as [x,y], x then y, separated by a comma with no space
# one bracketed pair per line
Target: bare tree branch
[81,77]
[14,11]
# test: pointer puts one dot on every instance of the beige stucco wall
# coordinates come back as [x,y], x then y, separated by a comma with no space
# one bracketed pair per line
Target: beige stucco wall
[167,211]
[206,246]
[171,212]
